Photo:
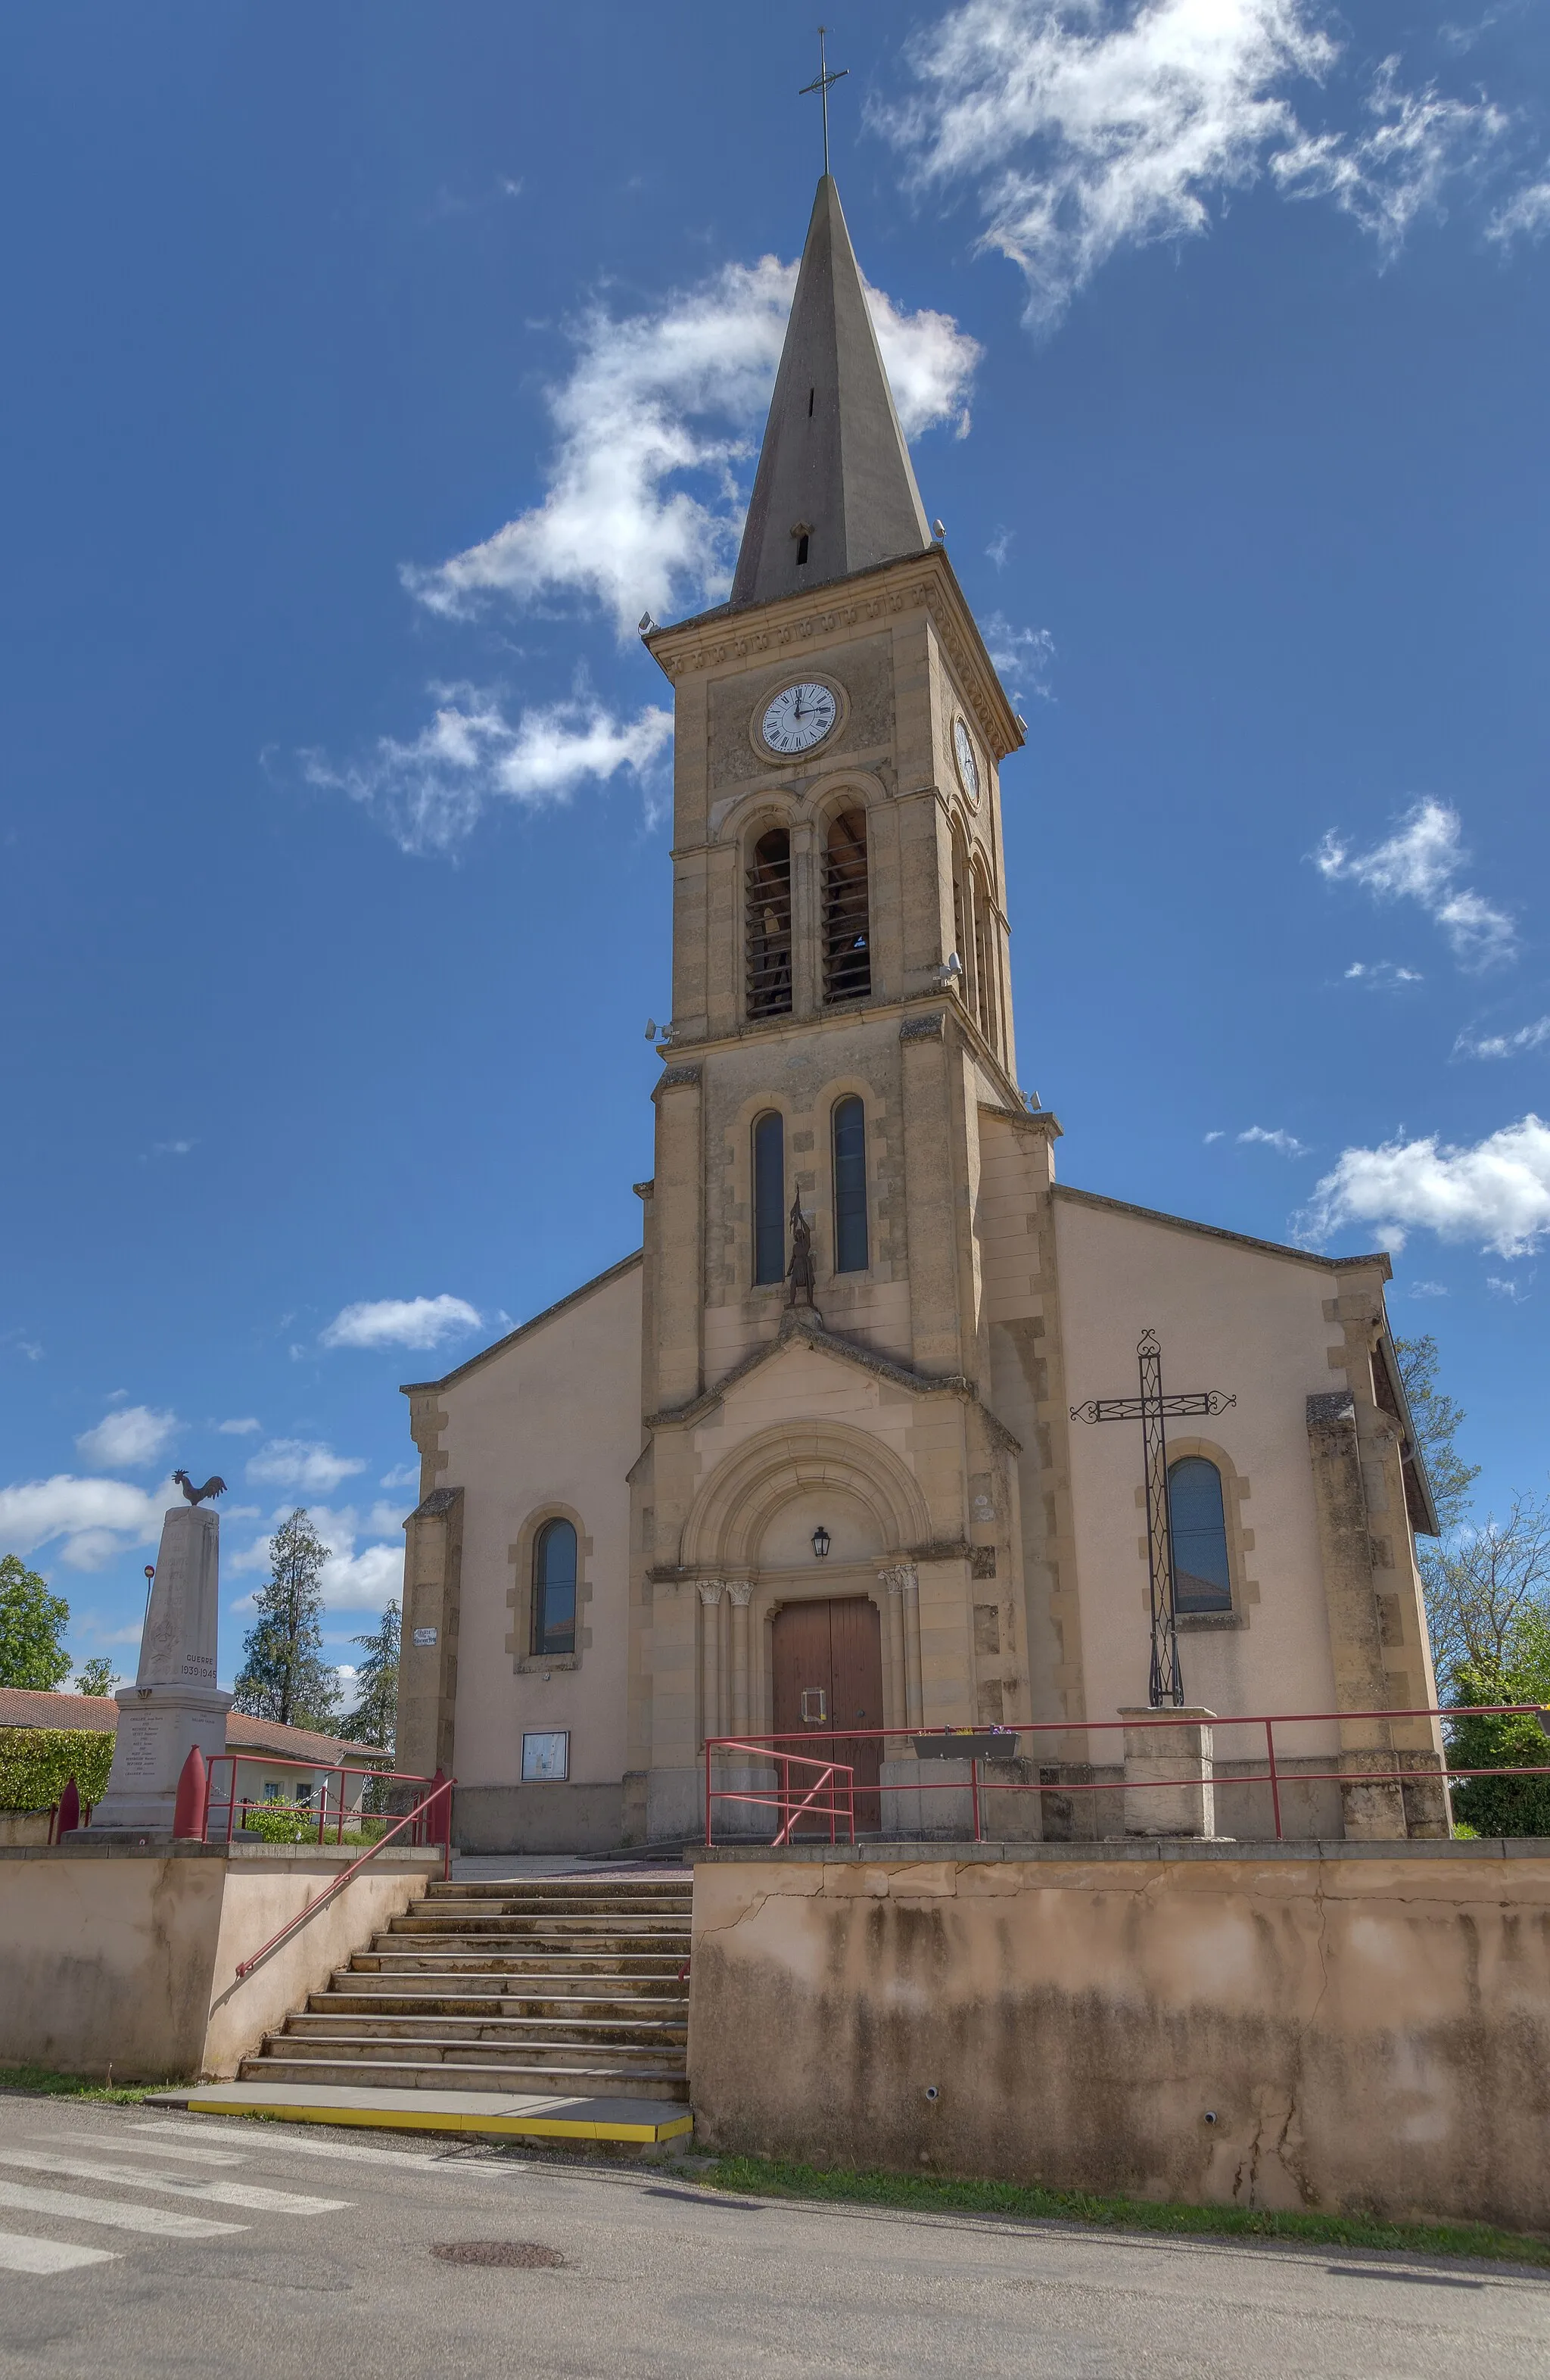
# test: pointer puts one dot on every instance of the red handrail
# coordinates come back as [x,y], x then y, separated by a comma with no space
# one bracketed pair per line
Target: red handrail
[441,1790]
[327,1810]
[772,1747]
[832,1773]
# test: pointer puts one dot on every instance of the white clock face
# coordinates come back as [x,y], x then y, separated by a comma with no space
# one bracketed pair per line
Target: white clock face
[799,717]
[968,767]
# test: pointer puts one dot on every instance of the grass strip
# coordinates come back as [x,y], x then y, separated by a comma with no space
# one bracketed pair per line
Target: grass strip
[43,2082]
[920,2194]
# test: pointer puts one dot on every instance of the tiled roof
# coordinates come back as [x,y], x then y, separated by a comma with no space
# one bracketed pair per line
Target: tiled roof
[20,1708]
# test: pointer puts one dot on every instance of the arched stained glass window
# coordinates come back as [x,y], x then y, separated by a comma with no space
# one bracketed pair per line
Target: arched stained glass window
[770,1196]
[849,1186]
[1202,1579]
[554,1588]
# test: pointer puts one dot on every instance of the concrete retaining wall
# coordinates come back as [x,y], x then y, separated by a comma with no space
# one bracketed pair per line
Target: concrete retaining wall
[128,1957]
[1343,2026]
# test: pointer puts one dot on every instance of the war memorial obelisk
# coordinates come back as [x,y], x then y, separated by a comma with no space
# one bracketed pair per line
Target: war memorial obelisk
[175,1702]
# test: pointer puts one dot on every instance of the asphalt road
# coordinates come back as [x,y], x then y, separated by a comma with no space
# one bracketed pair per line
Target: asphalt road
[136,2243]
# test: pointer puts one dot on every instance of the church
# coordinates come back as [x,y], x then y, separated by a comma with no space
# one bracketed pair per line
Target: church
[883,1427]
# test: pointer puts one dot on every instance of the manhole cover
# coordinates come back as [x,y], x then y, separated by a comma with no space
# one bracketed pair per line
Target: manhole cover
[496,2252]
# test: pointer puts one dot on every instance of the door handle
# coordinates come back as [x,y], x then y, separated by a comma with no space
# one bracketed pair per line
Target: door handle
[811,1695]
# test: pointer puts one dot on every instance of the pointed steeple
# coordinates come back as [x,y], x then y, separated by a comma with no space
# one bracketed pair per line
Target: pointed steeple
[835,490]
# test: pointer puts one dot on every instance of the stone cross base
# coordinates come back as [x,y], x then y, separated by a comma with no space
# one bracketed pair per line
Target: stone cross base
[1154,1754]
[158,1726]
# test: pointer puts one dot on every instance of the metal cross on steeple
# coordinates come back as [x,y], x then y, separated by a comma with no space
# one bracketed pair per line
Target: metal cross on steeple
[1152,1409]
[821,87]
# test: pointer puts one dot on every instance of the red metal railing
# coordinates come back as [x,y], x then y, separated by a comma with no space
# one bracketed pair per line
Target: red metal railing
[783,1797]
[430,1822]
[334,1810]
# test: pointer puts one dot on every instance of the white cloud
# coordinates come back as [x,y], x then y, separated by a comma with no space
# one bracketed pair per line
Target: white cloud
[1517,1293]
[1086,127]
[1283,1143]
[1503,1045]
[1022,654]
[999,549]
[1526,214]
[401,1322]
[1382,974]
[642,508]
[402,1475]
[1387,177]
[302,1465]
[95,1518]
[245,1427]
[1214,1135]
[1422,1288]
[1420,862]
[1496,1194]
[172,1148]
[364,1581]
[431,790]
[133,1436]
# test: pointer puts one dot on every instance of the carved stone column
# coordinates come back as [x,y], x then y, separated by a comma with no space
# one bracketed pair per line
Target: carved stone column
[902,1581]
[739,1592]
[711,1657]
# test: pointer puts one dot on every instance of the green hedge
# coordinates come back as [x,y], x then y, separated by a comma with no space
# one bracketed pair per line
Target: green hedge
[37,1763]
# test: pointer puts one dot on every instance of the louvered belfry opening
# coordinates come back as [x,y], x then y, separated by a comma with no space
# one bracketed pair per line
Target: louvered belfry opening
[768,930]
[847,956]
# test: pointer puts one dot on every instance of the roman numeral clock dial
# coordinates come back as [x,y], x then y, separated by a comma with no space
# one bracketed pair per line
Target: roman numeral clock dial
[799,718]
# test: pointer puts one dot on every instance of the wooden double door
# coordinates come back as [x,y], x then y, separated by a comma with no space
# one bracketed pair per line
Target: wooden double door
[828,1665]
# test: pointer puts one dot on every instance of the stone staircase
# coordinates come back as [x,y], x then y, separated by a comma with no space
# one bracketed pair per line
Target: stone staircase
[572,1984]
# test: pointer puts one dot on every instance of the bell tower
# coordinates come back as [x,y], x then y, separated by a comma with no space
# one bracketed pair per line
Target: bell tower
[841,1006]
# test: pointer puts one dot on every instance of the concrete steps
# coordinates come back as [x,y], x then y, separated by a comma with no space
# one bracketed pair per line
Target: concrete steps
[557,1985]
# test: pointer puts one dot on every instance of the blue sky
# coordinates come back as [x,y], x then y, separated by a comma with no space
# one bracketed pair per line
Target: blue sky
[371,368]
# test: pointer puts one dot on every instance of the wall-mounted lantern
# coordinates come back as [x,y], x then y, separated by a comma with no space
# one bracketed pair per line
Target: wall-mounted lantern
[821,1542]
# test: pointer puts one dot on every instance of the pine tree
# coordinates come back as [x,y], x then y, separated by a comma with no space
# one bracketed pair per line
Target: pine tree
[375,1716]
[284,1675]
[32,1622]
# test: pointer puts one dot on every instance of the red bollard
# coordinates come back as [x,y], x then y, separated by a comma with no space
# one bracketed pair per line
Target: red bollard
[192,1806]
[70,1811]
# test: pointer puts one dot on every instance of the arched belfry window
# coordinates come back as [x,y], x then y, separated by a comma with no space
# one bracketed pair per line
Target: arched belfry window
[849,1186]
[1202,1578]
[847,955]
[768,926]
[770,1196]
[985,960]
[554,1588]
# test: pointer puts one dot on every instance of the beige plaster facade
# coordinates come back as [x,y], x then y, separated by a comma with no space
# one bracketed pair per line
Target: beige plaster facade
[698,1427]
[126,1957]
[1359,2030]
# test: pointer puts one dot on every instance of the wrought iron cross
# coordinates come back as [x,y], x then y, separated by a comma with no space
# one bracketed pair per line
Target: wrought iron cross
[1153,1410]
[821,87]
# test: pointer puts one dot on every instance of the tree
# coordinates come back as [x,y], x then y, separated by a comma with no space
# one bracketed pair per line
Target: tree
[96,1676]
[1437,1423]
[375,1716]
[31,1623]
[284,1675]
[1482,1589]
[1506,1805]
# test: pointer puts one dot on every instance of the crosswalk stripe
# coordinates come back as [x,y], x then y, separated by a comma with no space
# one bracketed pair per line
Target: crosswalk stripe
[218,2193]
[69,2203]
[21,2253]
[136,2148]
[276,2136]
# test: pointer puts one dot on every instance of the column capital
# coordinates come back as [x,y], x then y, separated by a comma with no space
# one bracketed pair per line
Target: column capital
[741,1592]
[710,1589]
[900,1578]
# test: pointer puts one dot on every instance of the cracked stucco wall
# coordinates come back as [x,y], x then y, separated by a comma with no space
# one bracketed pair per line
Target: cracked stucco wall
[1367,2035]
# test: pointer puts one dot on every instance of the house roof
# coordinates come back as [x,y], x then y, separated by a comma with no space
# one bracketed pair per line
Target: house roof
[1070,1196]
[19,1707]
[99,1714]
